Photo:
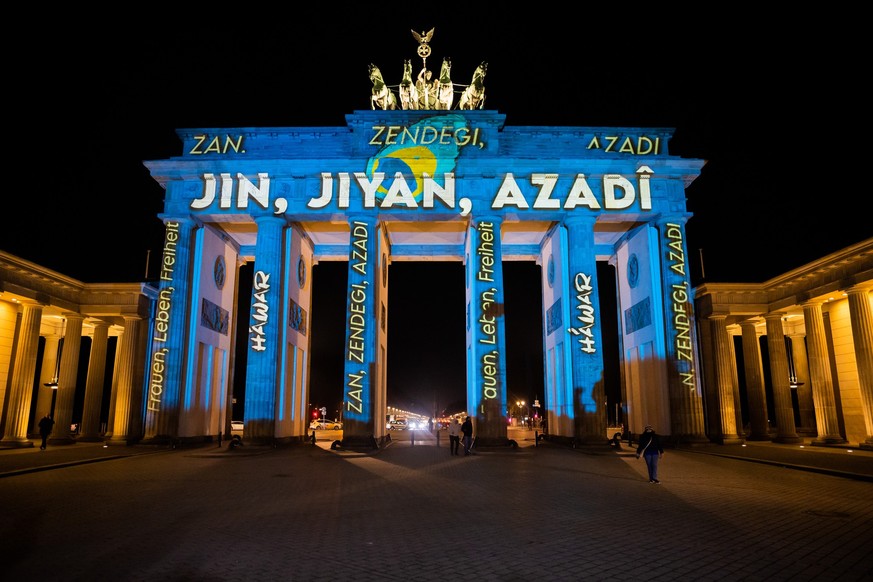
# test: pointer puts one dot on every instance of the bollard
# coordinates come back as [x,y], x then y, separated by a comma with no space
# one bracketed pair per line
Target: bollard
[412,433]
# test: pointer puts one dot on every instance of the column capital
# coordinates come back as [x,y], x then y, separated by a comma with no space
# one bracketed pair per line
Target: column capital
[577,219]
[859,289]
[495,218]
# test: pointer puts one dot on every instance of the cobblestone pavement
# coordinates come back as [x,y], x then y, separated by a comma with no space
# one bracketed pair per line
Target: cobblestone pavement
[414,512]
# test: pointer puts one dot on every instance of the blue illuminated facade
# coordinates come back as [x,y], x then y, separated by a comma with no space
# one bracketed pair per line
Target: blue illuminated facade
[409,185]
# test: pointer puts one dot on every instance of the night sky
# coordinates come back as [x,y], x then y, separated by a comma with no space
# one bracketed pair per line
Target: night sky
[743,93]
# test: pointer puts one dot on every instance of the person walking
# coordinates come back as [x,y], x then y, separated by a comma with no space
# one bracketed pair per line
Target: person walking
[467,430]
[454,436]
[651,450]
[45,429]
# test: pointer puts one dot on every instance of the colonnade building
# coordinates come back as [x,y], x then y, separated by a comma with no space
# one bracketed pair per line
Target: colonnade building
[416,185]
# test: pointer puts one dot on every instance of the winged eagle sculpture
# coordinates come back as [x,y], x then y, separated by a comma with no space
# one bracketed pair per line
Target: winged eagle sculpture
[424,37]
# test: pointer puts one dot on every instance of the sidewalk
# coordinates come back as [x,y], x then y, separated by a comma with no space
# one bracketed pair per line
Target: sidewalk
[840,461]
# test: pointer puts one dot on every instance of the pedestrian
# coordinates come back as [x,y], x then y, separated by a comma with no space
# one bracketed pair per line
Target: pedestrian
[454,436]
[467,430]
[651,450]
[45,429]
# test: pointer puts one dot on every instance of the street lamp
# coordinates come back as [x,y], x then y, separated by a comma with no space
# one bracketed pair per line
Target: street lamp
[519,404]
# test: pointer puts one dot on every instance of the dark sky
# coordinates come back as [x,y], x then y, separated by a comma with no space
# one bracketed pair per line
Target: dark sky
[744,93]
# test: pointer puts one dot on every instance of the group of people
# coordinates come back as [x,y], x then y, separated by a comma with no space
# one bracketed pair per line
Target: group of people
[457,431]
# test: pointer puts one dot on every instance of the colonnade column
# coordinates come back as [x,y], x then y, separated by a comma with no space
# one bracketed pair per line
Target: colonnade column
[823,399]
[686,402]
[805,405]
[487,363]
[90,429]
[67,380]
[861,315]
[589,392]
[166,368]
[753,369]
[360,369]
[786,431]
[263,365]
[727,434]
[48,373]
[21,387]
[123,404]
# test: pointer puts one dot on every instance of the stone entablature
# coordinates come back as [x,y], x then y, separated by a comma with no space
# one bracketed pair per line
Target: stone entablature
[109,302]
[817,280]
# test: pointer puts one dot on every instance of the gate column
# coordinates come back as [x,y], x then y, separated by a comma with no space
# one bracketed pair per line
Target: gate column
[360,370]
[586,352]
[486,399]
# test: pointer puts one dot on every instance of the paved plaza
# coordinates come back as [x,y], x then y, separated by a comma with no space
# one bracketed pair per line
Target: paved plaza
[410,511]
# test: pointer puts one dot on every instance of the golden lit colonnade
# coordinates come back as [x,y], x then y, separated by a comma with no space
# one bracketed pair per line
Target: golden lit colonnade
[72,350]
[792,358]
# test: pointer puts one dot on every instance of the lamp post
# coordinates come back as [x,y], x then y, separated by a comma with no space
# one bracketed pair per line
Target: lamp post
[519,404]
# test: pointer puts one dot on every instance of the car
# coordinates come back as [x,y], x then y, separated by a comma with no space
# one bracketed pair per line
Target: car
[325,424]
[236,426]
[397,425]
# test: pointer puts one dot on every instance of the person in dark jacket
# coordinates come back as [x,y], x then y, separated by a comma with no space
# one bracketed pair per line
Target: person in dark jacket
[651,450]
[454,436]
[45,429]
[467,431]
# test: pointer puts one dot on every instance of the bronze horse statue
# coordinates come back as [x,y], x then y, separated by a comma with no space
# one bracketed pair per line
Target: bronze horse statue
[473,96]
[382,96]
[409,98]
[445,93]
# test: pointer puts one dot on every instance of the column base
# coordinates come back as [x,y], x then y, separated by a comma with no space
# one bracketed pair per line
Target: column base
[829,442]
[732,439]
[16,444]
[788,440]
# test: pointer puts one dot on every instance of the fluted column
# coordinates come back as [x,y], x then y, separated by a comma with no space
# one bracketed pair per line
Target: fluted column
[262,365]
[67,380]
[21,387]
[753,368]
[786,431]
[861,315]
[48,373]
[804,390]
[823,399]
[170,340]
[686,402]
[360,367]
[586,355]
[727,432]
[121,401]
[735,387]
[90,430]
